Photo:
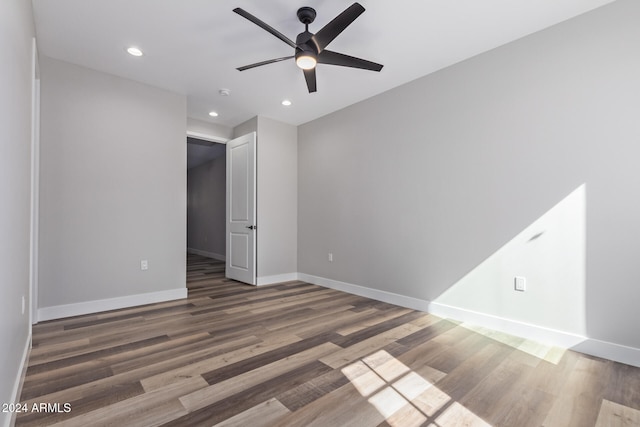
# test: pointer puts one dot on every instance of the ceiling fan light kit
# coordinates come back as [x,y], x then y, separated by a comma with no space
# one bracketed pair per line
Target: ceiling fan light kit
[306,60]
[309,48]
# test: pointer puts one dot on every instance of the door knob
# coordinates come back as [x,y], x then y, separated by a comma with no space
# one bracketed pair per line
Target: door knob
[251,227]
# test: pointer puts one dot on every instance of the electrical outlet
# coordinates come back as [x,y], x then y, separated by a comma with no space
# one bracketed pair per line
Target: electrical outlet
[520,283]
[330,257]
[144,264]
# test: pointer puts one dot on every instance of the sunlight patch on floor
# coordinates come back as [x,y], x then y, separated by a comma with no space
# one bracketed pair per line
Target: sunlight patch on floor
[458,415]
[363,378]
[403,397]
[615,415]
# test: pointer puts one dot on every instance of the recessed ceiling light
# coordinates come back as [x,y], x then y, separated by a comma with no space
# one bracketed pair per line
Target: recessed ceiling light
[134,51]
[213,114]
[286,102]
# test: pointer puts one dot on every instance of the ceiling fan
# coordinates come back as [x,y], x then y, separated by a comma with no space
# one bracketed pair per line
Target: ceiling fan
[310,48]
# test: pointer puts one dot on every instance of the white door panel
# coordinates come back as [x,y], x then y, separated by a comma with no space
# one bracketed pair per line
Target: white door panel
[239,250]
[241,209]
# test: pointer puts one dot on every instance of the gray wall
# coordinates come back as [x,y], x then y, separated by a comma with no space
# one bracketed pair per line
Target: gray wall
[277,194]
[206,202]
[16,32]
[277,198]
[249,126]
[113,186]
[445,182]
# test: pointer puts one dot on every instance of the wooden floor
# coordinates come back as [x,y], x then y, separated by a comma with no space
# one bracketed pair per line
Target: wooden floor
[295,354]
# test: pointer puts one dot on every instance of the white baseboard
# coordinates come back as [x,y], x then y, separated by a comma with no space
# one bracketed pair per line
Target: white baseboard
[207,254]
[278,278]
[17,385]
[611,351]
[606,350]
[384,296]
[88,307]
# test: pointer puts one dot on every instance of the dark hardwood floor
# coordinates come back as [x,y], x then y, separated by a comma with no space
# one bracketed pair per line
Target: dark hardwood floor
[295,354]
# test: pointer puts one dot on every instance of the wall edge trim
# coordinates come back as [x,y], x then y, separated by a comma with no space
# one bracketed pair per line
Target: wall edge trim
[19,381]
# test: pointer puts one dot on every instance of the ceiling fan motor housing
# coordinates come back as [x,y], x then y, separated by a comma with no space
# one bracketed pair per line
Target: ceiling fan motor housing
[306,15]
[305,42]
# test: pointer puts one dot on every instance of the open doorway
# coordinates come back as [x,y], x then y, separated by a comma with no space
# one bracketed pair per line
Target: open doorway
[206,198]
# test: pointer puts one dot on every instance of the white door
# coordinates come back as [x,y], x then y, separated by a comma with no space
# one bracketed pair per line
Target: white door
[241,209]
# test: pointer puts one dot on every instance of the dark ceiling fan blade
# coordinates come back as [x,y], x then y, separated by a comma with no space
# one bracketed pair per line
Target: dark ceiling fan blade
[330,31]
[264,26]
[334,58]
[310,77]
[258,64]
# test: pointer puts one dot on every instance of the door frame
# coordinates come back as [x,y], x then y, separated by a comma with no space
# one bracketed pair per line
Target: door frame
[207,137]
[217,140]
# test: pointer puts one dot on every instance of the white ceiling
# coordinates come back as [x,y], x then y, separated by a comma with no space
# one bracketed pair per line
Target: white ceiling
[193,46]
